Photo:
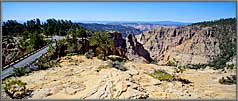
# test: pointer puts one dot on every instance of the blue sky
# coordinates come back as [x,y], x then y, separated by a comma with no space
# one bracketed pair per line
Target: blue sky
[119,11]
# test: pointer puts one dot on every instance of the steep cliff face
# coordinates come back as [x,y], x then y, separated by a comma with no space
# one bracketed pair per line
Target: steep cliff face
[136,51]
[130,48]
[189,44]
[119,44]
[193,44]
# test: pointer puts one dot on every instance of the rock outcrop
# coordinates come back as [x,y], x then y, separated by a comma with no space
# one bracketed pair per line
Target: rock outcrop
[136,51]
[119,44]
[130,48]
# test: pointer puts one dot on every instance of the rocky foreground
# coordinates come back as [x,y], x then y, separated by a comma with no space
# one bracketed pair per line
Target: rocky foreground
[79,78]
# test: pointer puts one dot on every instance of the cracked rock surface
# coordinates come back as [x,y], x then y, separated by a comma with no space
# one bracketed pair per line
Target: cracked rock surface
[83,81]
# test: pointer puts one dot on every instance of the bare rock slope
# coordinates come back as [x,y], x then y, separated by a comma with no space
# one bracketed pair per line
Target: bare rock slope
[78,78]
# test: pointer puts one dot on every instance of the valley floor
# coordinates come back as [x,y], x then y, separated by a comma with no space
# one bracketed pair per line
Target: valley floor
[78,78]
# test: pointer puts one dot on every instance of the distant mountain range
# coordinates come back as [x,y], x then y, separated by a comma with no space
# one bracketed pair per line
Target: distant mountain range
[126,27]
[125,30]
[173,23]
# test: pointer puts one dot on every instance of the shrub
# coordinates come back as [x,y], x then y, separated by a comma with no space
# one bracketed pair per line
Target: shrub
[185,81]
[29,49]
[162,75]
[153,62]
[61,50]
[51,52]
[14,88]
[48,41]
[89,54]
[71,49]
[36,40]
[116,58]
[229,80]
[19,71]
[44,64]
[117,65]
[230,66]
[180,69]
[100,56]
[218,63]
[71,54]
[101,67]
[75,62]
[53,63]
[197,66]
[172,62]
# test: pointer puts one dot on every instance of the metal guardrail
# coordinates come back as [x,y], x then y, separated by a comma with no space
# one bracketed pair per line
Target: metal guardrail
[23,57]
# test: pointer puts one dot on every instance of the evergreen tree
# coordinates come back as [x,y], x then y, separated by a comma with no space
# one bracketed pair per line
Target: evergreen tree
[102,41]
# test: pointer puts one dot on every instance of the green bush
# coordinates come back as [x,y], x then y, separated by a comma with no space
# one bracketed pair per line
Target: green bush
[113,64]
[71,54]
[29,49]
[219,62]
[51,52]
[229,80]
[71,49]
[75,62]
[48,41]
[184,81]
[230,66]
[162,75]
[116,58]
[172,62]
[100,56]
[197,66]
[44,64]
[12,87]
[180,69]
[19,71]
[153,62]
[36,40]
[89,54]
[117,65]
[101,67]
[54,63]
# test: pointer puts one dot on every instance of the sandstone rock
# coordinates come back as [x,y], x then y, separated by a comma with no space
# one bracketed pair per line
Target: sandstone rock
[136,51]
[42,93]
[133,94]
[135,83]
[73,88]
[119,44]
[132,72]
[189,45]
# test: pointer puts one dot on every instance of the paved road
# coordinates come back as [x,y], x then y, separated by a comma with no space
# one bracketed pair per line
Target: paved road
[8,71]
[56,37]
